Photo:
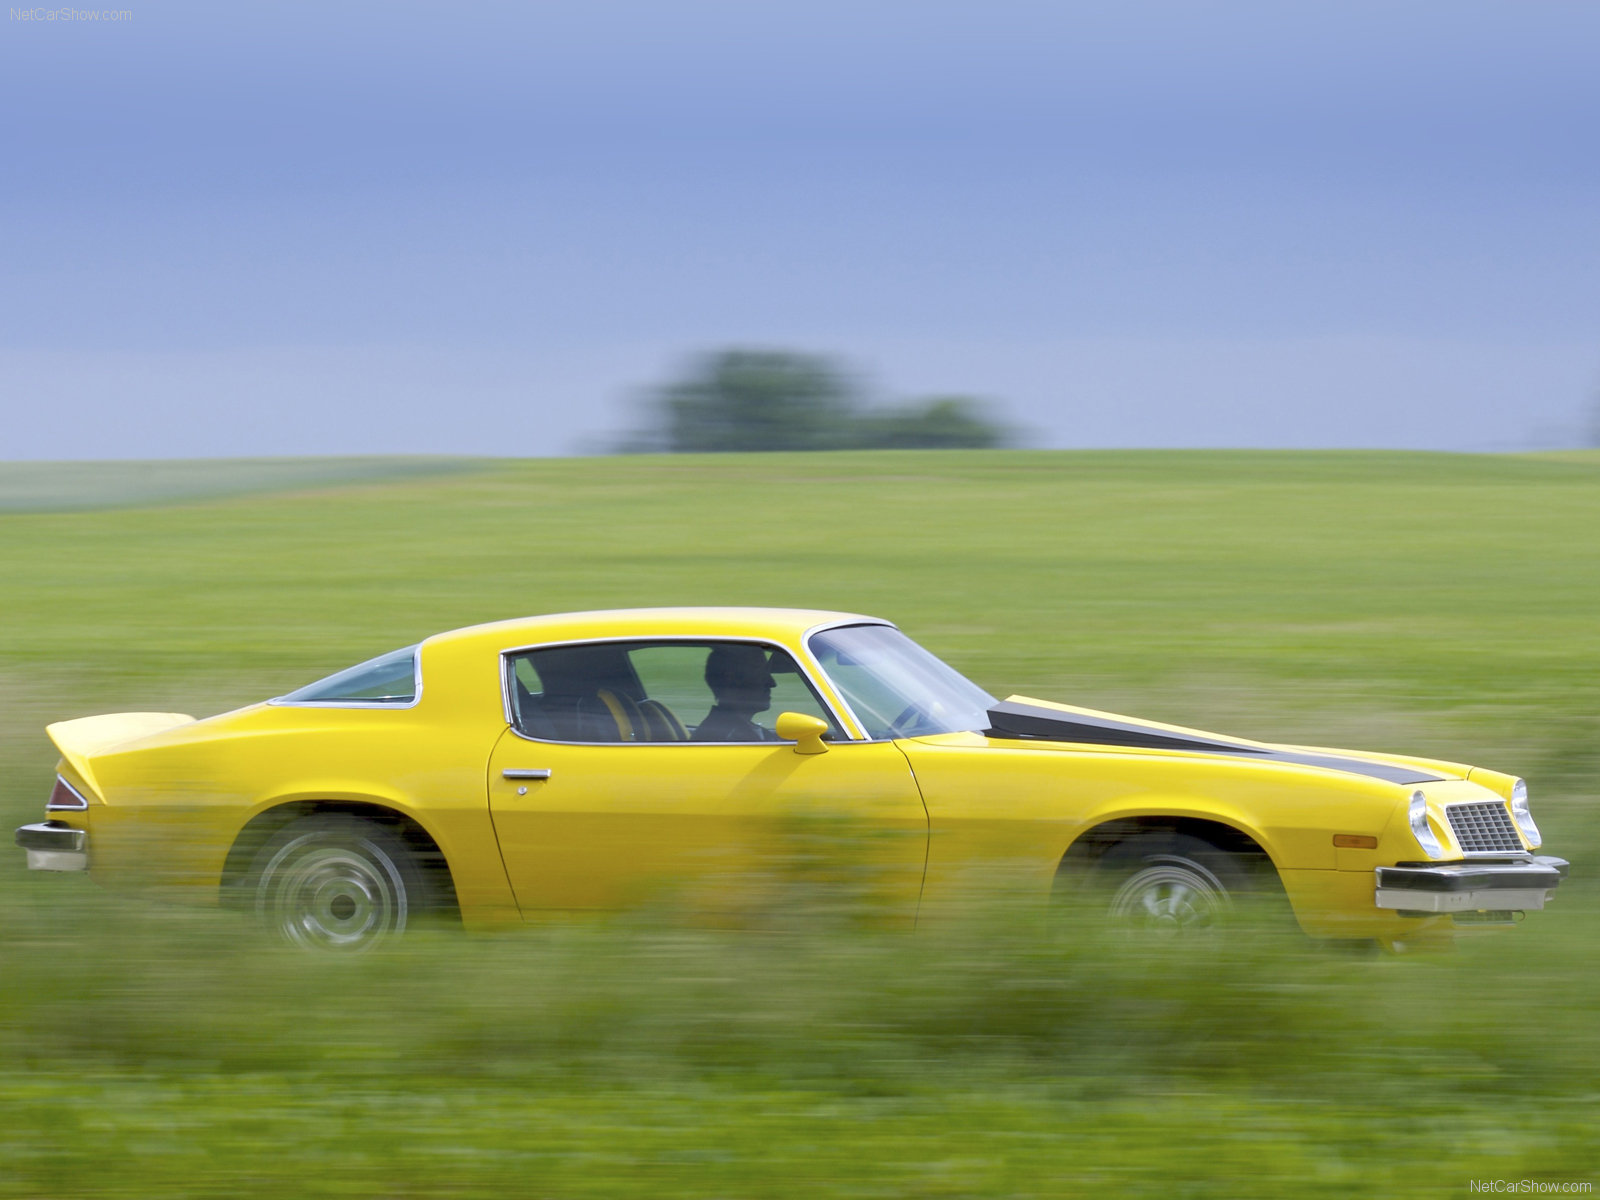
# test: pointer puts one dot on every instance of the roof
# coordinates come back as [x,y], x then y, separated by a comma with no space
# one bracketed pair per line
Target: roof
[778,624]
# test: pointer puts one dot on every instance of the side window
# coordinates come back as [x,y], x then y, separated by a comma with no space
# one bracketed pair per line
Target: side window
[658,692]
[674,676]
[583,693]
[792,693]
[391,679]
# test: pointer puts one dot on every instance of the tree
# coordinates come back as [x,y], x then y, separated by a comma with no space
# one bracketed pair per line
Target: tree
[777,400]
[758,400]
[939,423]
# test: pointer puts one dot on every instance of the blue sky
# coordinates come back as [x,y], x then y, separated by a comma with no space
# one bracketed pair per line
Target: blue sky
[488,228]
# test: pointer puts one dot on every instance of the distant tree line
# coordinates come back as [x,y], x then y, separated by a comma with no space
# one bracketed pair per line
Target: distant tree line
[775,400]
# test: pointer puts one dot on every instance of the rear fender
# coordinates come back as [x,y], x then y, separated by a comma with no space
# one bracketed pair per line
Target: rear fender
[82,740]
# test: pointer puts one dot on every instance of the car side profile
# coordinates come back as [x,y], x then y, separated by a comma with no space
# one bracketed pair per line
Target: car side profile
[588,761]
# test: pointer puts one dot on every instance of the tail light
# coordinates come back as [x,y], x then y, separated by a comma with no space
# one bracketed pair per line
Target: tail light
[65,798]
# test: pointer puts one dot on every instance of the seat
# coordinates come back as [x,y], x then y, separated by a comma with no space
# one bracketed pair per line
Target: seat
[661,723]
[592,694]
[621,709]
[530,715]
[585,696]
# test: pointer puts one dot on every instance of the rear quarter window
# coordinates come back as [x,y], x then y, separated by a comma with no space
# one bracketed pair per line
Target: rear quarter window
[388,679]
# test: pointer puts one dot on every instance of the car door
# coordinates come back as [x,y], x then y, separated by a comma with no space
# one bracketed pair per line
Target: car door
[605,795]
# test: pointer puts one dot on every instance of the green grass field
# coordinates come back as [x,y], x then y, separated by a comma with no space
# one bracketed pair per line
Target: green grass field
[1439,604]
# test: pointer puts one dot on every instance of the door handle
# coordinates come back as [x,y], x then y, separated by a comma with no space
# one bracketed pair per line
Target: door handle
[528,773]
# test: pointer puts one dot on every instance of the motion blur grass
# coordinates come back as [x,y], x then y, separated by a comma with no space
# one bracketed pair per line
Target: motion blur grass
[66,486]
[1437,604]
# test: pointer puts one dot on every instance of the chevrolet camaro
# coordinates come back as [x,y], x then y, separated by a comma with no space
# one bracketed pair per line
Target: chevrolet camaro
[590,761]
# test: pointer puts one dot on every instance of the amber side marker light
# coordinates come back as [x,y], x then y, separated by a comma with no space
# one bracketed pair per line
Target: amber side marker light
[1355,841]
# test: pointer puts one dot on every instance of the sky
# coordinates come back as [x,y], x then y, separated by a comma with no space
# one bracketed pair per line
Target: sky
[486,228]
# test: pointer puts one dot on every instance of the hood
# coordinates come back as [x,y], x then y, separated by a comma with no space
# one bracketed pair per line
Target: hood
[1037,720]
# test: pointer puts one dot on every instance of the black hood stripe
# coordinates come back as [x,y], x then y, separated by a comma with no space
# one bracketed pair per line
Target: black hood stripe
[1012,719]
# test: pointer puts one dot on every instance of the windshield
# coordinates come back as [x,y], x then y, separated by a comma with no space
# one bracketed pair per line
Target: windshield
[895,687]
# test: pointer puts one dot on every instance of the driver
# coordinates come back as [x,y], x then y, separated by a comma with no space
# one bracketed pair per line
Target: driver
[742,683]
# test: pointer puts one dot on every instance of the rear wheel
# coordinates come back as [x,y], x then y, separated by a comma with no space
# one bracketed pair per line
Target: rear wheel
[337,883]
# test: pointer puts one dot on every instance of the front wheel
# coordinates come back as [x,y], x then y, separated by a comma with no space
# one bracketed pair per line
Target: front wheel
[1176,887]
[1171,895]
[337,883]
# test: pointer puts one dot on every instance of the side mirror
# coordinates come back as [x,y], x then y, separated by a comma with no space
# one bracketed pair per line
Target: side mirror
[805,732]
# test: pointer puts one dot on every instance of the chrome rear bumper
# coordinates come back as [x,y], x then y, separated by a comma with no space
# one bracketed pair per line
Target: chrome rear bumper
[54,846]
[1470,886]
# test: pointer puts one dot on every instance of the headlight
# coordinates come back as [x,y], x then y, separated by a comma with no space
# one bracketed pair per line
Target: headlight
[1519,810]
[1418,816]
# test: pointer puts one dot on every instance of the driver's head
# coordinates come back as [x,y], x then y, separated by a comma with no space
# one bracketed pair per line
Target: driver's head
[738,677]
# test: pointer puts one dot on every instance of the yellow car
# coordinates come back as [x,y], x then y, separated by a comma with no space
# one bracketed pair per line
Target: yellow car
[586,761]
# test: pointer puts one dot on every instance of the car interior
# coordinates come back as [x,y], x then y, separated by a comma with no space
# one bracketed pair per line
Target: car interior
[709,692]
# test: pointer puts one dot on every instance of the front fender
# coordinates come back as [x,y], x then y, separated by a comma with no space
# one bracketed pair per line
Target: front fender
[1180,806]
[1024,804]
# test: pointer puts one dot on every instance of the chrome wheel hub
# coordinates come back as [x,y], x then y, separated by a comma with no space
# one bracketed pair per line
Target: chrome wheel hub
[1171,899]
[332,897]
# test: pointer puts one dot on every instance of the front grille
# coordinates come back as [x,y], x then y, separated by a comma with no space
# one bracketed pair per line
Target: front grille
[1483,826]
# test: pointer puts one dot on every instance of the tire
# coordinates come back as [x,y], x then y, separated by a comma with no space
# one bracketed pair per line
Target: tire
[337,884]
[1174,886]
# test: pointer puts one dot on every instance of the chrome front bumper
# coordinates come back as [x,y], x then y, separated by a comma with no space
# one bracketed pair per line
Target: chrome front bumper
[1470,886]
[54,846]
